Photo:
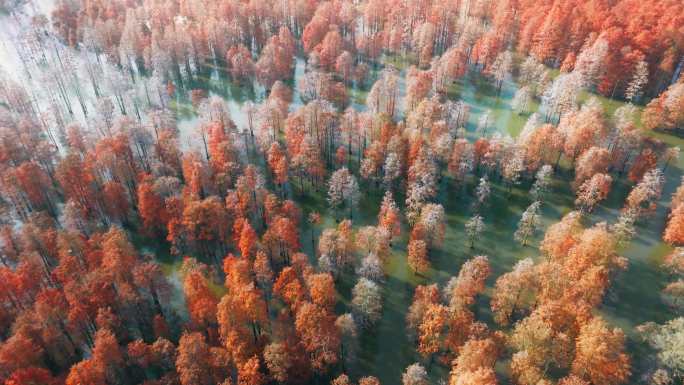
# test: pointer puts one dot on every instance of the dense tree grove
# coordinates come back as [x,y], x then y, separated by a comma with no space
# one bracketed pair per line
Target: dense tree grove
[158,229]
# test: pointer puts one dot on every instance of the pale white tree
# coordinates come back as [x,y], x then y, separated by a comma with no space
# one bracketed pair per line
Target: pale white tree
[644,196]
[639,80]
[433,220]
[623,228]
[667,340]
[422,184]
[456,114]
[353,193]
[349,334]
[392,169]
[473,228]
[529,222]
[443,146]
[327,264]
[521,100]
[590,62]
[542,183]
[532,74]
[483,191]
[343,189]
[513,167]
[482,124]
[371,268]
[415,374]
[215,109]
[167,186]
[382,98]
[533,122]
[624,115]
[366,302]
[501,68]
[560,96]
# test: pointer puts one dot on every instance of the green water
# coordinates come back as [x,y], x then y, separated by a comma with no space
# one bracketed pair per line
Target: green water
[386,350]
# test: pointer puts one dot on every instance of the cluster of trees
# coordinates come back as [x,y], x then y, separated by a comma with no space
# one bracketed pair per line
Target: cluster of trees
[638,44]
[79,198]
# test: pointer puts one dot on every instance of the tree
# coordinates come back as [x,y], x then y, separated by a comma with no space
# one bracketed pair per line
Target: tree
[562,236]
[417,256]
[666,340]
[475,363]
[344,66]
[17,352]
[415,374]
[199,298]
[249,373]
[560,97]
[530,220]
[639,80]
[366,302]
[343,190]
[521,100]
[473,228]
[275,62]
[432,220]
[193,362]
[501,68]
[542,182]
[322,290]
[85,372]
[599,354]
[371,268]
[593,191]
[336,245]
[642,199]
[342,379]
[150,277]
[240,62]
[513,291]
[643,163]
[382,96]
[481,376]
[262,269]
[369,380]
[277,161]
[373,239]
[482,192]
[469,282]
[316,329]
[665,111]
[418,85]
[389,216]
[241,313]
[107,355]
[247,242]
[432,329]
[31,376]
[592,161]
[623,228]
[277,361]
[538,345]
[674,232]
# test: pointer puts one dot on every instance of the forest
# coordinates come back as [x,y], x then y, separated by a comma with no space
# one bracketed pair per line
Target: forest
[343,192]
